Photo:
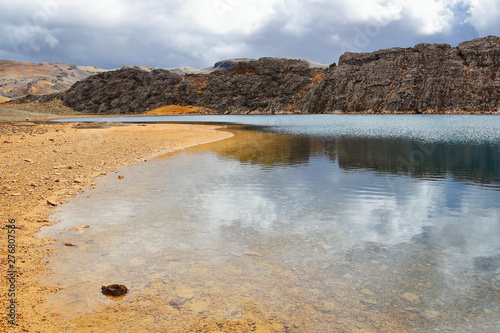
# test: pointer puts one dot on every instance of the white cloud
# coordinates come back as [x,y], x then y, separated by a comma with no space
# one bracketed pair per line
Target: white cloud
[429,16]
[424,16]
[484,16]
[197,33]
[29,37]
[366,10]
[230,16]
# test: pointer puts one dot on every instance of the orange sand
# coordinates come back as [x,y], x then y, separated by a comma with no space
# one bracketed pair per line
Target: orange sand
[42,163]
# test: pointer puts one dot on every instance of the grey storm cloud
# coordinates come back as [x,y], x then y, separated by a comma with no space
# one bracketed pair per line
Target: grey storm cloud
[197,33]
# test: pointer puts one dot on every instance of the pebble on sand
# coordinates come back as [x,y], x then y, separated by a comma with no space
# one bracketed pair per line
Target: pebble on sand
[52,202]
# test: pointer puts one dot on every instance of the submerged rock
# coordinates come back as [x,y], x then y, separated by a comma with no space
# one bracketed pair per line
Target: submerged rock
[115,290]
[82,227]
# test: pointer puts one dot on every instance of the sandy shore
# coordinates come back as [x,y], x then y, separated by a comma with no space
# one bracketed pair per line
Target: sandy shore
[43,165]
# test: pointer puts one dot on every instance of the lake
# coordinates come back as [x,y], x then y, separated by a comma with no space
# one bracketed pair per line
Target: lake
[299,223]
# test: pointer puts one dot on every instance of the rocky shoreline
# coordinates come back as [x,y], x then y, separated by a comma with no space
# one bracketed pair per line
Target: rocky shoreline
[46,164]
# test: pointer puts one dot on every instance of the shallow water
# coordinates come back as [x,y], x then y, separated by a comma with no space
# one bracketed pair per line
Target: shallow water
[321,229]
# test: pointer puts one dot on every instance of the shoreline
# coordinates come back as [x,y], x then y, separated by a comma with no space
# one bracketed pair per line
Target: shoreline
[47,164]
[55,110]
[53,161]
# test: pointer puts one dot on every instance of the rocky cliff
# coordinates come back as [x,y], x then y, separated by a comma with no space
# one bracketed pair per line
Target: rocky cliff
[264,85]
[426,77]
[19,79]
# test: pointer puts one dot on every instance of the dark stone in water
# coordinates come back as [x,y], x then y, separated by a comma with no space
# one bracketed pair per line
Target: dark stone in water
[114,290]
[178,302]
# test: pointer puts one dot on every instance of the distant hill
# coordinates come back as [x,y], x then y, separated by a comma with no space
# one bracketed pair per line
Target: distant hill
[22,78]
[18,79]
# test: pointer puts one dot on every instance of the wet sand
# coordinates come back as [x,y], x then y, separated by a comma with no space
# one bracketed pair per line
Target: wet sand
[45,164]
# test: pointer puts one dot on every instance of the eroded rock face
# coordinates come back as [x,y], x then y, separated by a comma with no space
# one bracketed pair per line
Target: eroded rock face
[425,77]
[123,91]
[263,85]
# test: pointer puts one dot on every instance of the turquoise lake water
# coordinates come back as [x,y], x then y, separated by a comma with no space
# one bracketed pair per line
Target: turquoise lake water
[324,222]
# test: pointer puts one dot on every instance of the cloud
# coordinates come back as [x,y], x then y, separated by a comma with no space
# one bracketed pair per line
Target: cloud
[484,16]
[198,33]
[29,37]
[429,16]
[231,16]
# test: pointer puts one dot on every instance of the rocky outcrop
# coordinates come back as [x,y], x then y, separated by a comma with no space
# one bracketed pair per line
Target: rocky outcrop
[427,77]
[424,77]
[230,63]
[263,85]
[123,91]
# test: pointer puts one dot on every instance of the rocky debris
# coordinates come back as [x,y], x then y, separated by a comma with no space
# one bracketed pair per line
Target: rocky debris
[427,77]
[114,290]
[69,244]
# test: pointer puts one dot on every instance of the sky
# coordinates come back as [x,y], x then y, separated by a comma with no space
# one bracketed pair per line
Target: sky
[198,33]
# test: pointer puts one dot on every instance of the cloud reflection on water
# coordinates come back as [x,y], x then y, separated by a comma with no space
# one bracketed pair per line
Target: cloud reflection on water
[310,200]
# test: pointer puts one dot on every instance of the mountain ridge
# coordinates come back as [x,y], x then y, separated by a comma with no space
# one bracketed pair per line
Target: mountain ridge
[425,78]
[18,79]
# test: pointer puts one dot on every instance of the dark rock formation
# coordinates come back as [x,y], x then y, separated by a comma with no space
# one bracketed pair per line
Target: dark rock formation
[227,64]
[114,290]
[425,77]
[123,91]
[263,85]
